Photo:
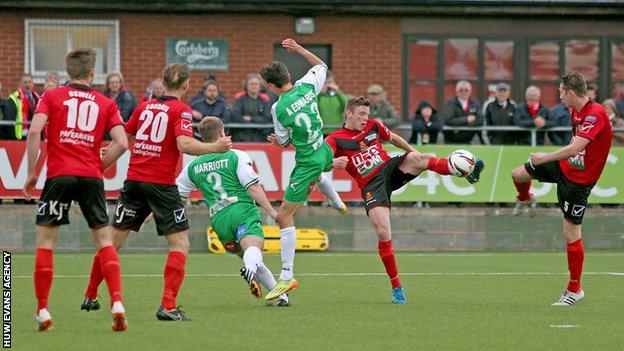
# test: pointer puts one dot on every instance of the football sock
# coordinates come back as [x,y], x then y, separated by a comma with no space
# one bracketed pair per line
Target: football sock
[44,269]
[386,252]
[576,255]
[252,258]
[174,275]
[439,165]
[325,186]
[95,278]
[288,241]
[111,271]
[265,277]
[523,191]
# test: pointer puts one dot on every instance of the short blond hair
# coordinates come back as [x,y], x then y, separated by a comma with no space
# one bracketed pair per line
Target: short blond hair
[79,62]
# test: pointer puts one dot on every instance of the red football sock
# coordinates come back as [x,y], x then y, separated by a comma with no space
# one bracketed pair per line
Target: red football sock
[44,269]
[174,275]
[439,165]
[523,191]
[95,279]
[576,255]
[111,271]
[386,252]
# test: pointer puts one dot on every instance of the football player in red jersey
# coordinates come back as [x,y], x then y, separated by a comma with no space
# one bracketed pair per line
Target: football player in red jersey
[357,148]
[575,169]
[77,118]
[158,130]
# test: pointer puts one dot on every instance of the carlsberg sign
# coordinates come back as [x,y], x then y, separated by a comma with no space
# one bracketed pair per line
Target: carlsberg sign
[199,54]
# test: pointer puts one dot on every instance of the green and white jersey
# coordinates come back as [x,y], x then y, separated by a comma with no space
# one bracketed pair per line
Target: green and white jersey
[222,178]
[296,116]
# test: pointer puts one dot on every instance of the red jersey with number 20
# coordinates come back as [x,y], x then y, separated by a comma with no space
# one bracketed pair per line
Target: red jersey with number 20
[78,118]
[155,125]
[592,123]
[363,149]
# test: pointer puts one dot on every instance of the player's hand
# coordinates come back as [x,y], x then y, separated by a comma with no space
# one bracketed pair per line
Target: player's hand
[272,139]
[197,115]
[537,158]
[224,143]
[341,162]
[104,150]
[290,45]
[31,181]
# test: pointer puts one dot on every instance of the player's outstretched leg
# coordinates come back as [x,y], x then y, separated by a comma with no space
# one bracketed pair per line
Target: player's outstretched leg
[525,201]
[288,242]
[325,186]
[415,163]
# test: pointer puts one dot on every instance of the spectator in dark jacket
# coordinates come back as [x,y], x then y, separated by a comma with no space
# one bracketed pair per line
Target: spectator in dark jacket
[500,112]
[561,118]
[532,114]
[461,111]
[251,108]
[426,123]
[126,103]
[211,105]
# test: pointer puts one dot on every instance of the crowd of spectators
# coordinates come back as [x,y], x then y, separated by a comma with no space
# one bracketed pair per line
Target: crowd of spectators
[252,105]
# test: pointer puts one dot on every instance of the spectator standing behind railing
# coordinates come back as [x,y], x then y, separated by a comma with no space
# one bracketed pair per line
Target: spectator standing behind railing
[532,114]
[561,118]
[126,103]
[426,123]
[251,108]
[616,121]
[500,112]
[20,107]
[154,90]
[211,105]
[331,103]
[461,111]
[592,92]
[380,108]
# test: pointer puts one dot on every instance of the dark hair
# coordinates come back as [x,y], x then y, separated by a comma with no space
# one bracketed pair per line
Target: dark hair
[174,75]
[275,73]
[209,128]
[574,82]
[79,62]
[353,103]
[209,82]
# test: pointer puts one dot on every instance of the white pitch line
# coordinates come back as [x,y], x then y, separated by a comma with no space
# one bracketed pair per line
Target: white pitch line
[349,274]
[564,326]
[498,162]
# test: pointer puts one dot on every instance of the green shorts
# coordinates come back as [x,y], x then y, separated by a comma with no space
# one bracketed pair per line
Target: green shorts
[306,172]
[235,222]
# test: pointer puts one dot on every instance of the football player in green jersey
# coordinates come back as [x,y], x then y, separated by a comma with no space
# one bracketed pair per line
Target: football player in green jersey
[231,190]
[297,122]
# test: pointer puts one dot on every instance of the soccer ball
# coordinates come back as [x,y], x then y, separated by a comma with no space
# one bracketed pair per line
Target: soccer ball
[461,163]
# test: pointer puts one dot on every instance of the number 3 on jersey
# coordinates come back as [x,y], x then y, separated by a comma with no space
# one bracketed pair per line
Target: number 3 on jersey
[157,123]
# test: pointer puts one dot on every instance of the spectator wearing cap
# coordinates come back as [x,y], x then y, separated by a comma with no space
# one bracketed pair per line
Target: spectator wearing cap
[426,123]
[115,89]
[211,105]
[500,112]
[331,103]
[461,111]
[532,114]
[561,118]
[251,108]
[380,109]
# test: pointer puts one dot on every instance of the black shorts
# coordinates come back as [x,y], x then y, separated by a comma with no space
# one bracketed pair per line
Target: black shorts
[388,178]
[58,194]
[138,199]
[572,197]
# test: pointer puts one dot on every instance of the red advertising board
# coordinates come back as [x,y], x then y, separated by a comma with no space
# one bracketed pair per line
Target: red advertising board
[273,164]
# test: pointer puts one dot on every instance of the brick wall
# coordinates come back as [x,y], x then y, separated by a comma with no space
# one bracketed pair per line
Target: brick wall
[365,50]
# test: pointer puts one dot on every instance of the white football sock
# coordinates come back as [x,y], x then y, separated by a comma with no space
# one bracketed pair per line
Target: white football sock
[252,258]
[288,241]
[325,186]
[43,315]
[118,307]
[265,277]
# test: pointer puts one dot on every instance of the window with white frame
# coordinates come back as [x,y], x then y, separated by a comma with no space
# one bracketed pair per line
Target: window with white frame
[49,40]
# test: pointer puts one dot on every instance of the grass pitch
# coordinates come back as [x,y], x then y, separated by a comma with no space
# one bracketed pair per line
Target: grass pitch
[461,301]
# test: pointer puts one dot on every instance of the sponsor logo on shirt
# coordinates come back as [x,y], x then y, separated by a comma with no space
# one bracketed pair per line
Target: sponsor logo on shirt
[591,119]
[585,128]
[186,115]
[366,160]
[187,125]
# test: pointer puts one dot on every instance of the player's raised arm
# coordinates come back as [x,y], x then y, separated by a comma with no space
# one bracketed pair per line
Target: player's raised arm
[33,141]
[192,146]
[292,46]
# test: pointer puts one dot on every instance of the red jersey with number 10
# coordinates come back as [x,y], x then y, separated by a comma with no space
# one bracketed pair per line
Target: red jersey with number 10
[363,149]
[156,124]
[592,123]
[78,118]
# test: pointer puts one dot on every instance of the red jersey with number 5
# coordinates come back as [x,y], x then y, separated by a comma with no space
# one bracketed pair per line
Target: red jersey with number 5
[363,149]
[78,118]
[592,123]
[156,124]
